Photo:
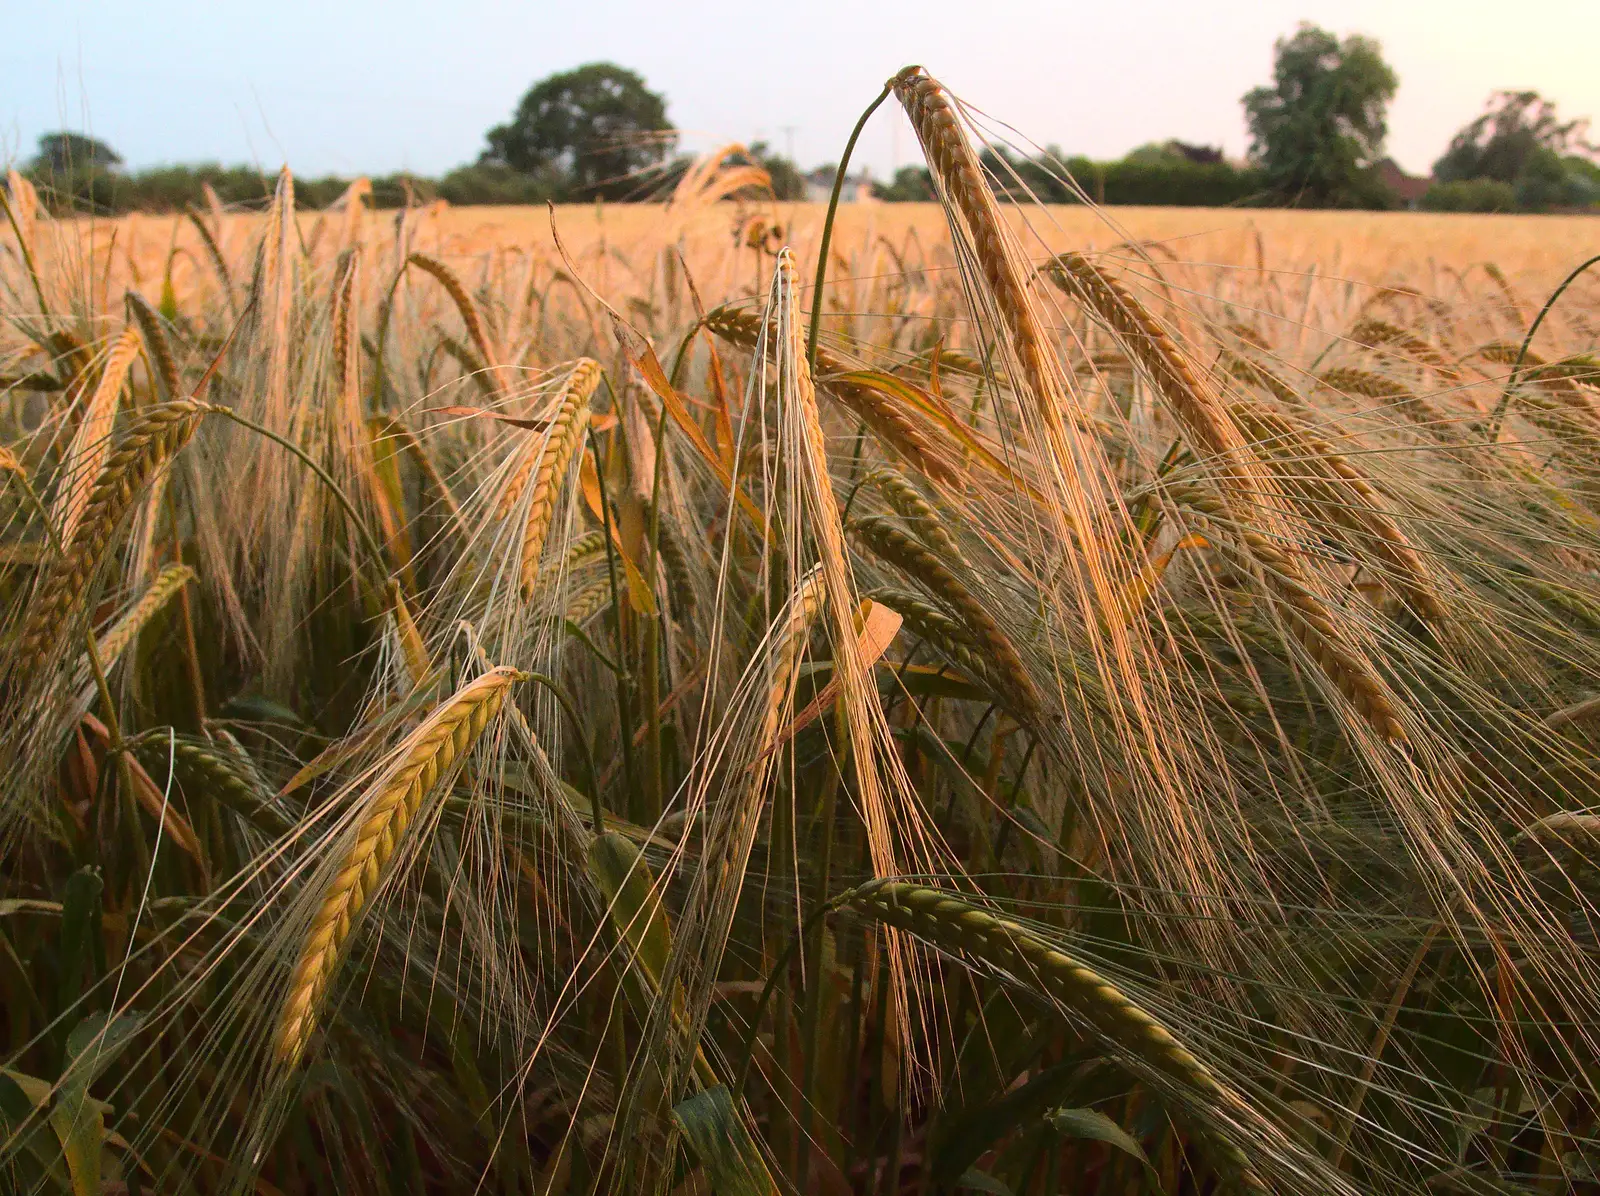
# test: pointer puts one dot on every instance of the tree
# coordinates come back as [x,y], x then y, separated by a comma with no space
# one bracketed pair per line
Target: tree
[1514,127]
[1318,130]
[1521,142]
[787,181]
[596,128]
[62,153]
[911,184]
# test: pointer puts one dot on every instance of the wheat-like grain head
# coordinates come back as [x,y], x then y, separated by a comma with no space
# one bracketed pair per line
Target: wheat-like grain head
[894,427]
[567,431]
[427,754]
[471,318]
[889,543]
[157,347]
[92,442]
[949,921]
[151,441]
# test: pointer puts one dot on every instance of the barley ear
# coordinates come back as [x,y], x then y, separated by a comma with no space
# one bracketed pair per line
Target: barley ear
[91,445]
[470,316]
[565,439]
[428,754]
[152,440]
[949,921]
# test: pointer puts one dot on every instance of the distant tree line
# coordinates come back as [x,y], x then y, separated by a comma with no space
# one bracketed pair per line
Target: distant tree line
[599,132]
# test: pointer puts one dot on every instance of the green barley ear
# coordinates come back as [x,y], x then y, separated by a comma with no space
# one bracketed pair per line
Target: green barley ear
[949,921]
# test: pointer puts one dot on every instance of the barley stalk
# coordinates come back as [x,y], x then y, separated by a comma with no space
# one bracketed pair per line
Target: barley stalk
[347,338]
[589,602]
[920,514]
[793,634]
[209,768]
[470,316]
[1386,337]
[934,624]
[1205,421]
[954,163]
[167,583]
[675,564]
[157,346]
[949,921]
[578,388]
[428,754]
[1396,396]
[1256,374]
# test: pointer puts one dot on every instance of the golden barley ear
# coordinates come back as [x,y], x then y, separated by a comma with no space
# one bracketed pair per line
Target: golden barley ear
[564,440]
[1338,493]
[157,346]
[956,167]
[91,445]
[468,308]
[152,440]
[1306,614]
[428,754]
[1197,409]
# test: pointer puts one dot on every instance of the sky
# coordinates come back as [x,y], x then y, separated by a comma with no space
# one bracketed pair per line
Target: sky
[374,86]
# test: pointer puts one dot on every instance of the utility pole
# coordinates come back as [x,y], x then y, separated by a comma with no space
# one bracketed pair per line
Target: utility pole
[788,141]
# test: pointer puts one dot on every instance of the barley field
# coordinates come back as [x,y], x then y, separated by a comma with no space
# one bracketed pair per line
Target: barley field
[550,701]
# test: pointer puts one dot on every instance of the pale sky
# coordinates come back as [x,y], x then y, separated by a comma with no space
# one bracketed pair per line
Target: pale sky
[362,86]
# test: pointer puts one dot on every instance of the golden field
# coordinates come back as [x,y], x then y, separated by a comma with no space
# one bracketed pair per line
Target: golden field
[1365,248]
[1110,708]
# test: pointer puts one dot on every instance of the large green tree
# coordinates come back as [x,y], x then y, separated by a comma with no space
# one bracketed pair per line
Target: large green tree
[1521,141]
[593,130]
[1318,130]
[63,153]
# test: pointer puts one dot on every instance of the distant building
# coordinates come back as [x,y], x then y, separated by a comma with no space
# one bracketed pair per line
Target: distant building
[1408,187]
[1200,155]
[857,187]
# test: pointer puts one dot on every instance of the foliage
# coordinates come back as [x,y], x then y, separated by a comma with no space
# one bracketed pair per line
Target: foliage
[598,128]
[1469,195]
[1165,178]
[1509,136]
[1318,130]
[64,153]
[911,184]
[1519,140]
[490,183]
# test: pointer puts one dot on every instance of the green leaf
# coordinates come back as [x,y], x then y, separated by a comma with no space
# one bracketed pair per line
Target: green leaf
[981,1181]
[622,875]
[16,1099]
[717,1135]
[77,1118]
[81,945]
[967,1134]
[1097,1127]
[255,708]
